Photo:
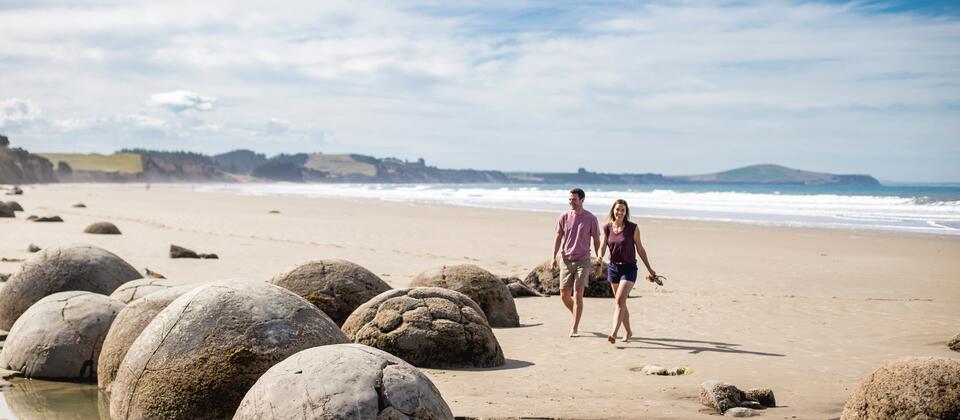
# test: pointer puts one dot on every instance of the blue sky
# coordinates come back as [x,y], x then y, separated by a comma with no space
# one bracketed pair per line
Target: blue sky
[675,87]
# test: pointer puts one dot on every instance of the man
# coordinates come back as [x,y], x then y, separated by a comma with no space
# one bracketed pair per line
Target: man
[575,228]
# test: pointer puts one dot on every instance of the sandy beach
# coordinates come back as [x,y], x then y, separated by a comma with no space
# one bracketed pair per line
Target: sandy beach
[805,312]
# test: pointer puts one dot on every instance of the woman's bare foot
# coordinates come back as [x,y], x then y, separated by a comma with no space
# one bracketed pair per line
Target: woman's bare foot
[574,334]
[627,336]
[611,339]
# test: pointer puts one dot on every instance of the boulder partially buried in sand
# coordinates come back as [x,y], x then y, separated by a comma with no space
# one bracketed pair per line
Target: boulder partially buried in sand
[343,381]
[127,326]
[60,336]
[337,287]
[910,388]
[480,285]
[177,251]
[15,206]
[102,228]
[136,289]
[547,281]
[6,211]
[954,343]
[200,354]
[427,327]
[57,269]
[719,395]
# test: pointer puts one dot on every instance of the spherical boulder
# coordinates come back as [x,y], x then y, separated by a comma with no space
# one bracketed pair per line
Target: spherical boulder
[486,289]
[136,289]
[58,269]
[427,327]
[60,336]
[546,280]
[337,287]
[102,228]
[127,326]
[343,381]
[909,388]
[199,356]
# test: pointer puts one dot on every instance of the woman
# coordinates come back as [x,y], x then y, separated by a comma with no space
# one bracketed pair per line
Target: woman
[622,237]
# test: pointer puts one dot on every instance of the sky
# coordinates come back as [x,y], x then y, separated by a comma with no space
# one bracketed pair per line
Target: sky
[671,87]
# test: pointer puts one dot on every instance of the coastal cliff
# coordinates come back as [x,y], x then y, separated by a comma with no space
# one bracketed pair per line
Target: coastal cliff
[18,166]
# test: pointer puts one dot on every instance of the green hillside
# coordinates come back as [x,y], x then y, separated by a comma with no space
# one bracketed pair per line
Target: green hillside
[128,163]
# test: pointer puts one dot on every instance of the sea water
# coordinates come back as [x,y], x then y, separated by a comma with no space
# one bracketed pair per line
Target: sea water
[931,209]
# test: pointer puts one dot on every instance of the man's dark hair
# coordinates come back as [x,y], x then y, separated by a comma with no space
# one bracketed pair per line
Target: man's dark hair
[578,192]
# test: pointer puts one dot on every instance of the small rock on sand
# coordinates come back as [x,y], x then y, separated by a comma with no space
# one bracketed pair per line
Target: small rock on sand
[740,412]
[274,211]
[33,248]
[80,206]
[177,251]
[752,405]
[719,395]
[15,191]
[102,228]
[4,276]
[46,219]
[764,396]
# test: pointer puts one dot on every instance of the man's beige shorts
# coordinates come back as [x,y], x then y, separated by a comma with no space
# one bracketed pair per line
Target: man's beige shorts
[574,274]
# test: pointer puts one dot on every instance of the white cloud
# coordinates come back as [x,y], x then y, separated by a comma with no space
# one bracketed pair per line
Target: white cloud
[183,100]
[17,113]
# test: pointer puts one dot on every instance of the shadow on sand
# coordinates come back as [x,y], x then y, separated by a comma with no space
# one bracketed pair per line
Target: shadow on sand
[693,346]
[510,364]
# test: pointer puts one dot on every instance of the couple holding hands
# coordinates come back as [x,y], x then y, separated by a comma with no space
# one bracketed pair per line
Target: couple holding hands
[575,230]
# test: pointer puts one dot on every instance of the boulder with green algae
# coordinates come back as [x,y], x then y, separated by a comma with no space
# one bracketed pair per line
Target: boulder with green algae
[60,337]
[198,357]
[343,381]
[909,388]
[427,327]
[337,287]
[58,269]
[484,288]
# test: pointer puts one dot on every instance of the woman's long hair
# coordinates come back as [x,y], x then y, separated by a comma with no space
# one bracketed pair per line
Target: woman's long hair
[626,215]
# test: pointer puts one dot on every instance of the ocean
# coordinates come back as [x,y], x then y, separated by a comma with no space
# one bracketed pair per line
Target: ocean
[927,209]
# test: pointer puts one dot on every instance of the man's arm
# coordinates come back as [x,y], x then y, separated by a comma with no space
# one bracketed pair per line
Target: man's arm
[556,247]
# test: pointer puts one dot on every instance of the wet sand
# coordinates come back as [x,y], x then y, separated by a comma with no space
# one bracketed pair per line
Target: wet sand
[805,312]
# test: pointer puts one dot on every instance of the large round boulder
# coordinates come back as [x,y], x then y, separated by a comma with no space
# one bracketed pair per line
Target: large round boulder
[337,287]
[199,356]
[486,289]
[58,269]
[343,381]
[60,336]
[136,289]
[546,280]
[127,326]
[427,327]
[102,228]
[909,388]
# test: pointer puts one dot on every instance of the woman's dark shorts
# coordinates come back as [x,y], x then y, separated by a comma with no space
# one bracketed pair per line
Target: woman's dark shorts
[617,272]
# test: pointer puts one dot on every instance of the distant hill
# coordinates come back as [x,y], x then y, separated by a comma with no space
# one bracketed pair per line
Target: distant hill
[239,161]
[319,167]
[137,165]
[776,174]
[18,166]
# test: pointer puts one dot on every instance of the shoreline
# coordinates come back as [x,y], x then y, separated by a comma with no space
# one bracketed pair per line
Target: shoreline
[807,312]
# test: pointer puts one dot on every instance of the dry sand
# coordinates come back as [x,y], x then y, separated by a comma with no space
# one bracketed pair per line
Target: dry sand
[805,312]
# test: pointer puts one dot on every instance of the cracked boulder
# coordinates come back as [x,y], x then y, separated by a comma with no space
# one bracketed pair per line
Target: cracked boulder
[136,289]
[547,281]
[427,327]
[909,388]
[337,287]
[198,357]
[484,288]
[58,269]
[343,381]
[60,336]
[102,228]
[127,326]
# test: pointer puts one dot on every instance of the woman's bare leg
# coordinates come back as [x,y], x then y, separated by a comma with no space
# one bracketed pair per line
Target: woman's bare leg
[616,317]
[622,294]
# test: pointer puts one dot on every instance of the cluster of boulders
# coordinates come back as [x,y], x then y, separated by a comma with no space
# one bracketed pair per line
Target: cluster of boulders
[16,190]
[160,348]
[177,251]
[731,401]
